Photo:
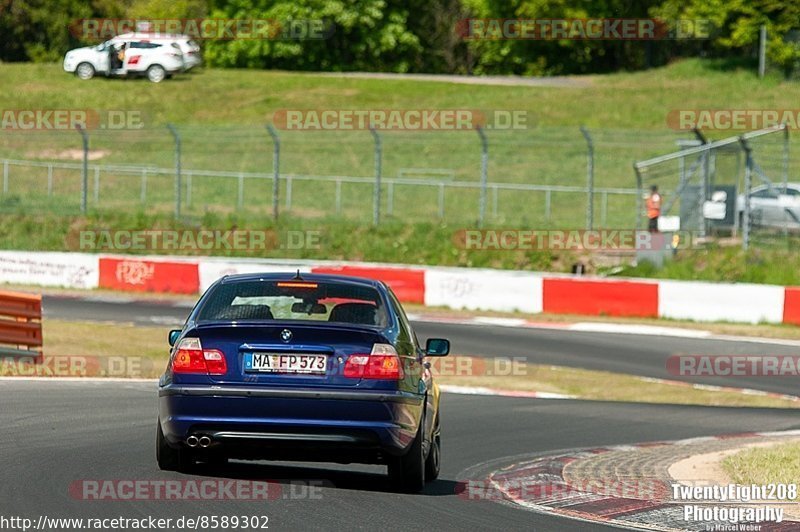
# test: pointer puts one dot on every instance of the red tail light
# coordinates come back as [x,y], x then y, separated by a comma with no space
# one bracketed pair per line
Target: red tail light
[382,363]
[192,358]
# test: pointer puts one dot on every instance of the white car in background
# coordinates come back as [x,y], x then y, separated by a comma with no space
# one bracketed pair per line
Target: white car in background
[191,52]
[134,54]
[771,206]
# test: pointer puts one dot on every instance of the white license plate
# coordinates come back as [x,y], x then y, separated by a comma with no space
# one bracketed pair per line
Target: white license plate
[285,363]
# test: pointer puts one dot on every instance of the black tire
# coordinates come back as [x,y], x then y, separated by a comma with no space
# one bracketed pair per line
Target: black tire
[156,73]
[434,460]
[168,458]
[85,71]
[407,472]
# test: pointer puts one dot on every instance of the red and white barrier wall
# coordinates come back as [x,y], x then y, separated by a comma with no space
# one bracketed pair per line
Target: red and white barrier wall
[457,288]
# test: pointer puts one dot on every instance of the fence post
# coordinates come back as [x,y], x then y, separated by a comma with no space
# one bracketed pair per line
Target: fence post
[85,171]
[441,201]
[289,193]
[49,179]
[390,199]
[177,137]
[276,168]
[376,200]
[785,165]
[484,174]
[762,51]
[338,196]
[240,195]
[748,172]
[589,177]
[5,177]
[639,198]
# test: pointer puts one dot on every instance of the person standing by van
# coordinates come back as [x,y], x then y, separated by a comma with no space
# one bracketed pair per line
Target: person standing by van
[653,209]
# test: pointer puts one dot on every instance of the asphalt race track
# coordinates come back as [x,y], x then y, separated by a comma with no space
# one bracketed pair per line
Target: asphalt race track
[622,353]
[56,433]
[60,432]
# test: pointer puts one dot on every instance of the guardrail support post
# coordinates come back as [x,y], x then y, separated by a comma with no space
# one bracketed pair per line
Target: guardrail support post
[85,170]
[276,169]
[376,199]
[177,137]
[589,178]
[484,174]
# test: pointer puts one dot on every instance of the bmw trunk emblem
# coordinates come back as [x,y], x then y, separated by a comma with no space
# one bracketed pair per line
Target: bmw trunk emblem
[286,335]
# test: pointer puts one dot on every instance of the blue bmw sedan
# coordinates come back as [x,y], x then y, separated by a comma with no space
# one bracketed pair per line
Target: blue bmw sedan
[279,366]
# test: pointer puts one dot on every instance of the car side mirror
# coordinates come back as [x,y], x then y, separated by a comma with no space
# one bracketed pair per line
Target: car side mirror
[174,334]
[437,347]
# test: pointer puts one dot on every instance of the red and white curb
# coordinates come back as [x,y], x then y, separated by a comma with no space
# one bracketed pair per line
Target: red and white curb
[539,485]
[432,286]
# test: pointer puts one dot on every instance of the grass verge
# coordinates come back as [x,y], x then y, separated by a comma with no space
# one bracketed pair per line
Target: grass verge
[395,240]
[765,465]
[76,348]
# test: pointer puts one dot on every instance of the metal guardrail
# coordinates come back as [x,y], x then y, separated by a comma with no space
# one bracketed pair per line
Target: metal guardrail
[20,324]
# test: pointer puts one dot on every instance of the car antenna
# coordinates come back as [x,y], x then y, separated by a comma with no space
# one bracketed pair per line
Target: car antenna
[297,276]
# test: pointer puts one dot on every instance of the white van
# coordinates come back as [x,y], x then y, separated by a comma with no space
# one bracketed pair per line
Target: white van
[133,54]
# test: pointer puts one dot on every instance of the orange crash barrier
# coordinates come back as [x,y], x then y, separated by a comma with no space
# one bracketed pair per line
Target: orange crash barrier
[20,324]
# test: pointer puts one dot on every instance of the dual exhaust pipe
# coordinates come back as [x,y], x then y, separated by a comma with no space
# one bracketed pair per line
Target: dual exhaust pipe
[193,441]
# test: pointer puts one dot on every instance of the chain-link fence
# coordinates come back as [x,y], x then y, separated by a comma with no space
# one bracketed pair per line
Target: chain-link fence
[543,177]
[737,186]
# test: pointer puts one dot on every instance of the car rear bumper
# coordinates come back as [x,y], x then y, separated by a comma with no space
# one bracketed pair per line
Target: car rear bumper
[293,424]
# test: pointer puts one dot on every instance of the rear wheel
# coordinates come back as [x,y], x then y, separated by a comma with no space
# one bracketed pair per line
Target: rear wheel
[84,71]
[168,458]
[433,461]
[407,472]
[156,73]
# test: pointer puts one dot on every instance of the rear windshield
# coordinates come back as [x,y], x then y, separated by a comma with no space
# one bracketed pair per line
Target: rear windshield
[294,300]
